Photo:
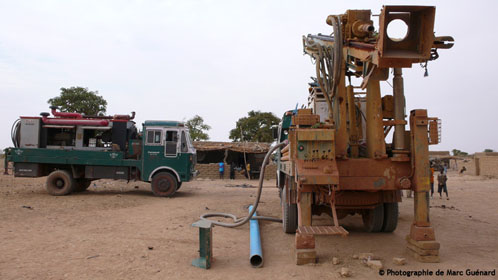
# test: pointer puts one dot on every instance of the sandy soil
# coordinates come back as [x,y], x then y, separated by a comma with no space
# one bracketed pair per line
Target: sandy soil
[117,230]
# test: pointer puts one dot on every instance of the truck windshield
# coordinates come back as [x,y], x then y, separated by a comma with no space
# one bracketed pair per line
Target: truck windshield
[184,145]
[189,142]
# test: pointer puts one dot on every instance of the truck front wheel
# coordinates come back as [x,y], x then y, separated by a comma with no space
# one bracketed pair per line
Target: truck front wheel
[164,184]
[60,182]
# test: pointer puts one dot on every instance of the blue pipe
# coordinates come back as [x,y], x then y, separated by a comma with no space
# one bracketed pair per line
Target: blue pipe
[256,257]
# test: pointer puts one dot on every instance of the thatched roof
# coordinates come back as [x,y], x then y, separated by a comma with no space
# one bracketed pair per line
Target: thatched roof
[248,147]
[439,153]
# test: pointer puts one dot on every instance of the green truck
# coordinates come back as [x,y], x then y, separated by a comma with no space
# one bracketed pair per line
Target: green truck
[72,150]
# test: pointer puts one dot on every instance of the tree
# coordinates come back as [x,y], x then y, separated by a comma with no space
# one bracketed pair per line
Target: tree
[197,128]
[79,100]
[488,150]
[256,127]
[459,153]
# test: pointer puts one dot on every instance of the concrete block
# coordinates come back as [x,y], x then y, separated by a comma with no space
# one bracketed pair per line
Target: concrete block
[375,264]
[367,256]
[305,241]
[305,256]
[399,261]
[426,245]
[336,260]
[422,252]
[345,272]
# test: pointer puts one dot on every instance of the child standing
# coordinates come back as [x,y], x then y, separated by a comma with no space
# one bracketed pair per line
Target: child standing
[441,185]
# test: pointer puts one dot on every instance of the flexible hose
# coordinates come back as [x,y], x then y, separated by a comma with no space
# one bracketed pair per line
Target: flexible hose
[240,221]
[14,133]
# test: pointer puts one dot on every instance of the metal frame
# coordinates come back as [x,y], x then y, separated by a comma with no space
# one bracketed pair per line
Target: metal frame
[356,180]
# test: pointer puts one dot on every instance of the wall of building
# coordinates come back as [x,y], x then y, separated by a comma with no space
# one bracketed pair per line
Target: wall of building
[487,166]
[469,164]
[211,171]
[480,165]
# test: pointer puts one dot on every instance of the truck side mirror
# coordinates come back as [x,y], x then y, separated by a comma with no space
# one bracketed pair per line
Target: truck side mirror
[274,131]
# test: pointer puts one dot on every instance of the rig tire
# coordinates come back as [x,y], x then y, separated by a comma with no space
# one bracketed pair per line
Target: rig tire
[289,212]
[164,184]
[60,182]
[391,214]
[373,219]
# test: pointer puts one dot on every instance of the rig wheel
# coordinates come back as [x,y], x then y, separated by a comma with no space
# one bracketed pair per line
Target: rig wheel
[373,219]
[289,212]
[60,182]
[164,184]
[390,217]
[81,185]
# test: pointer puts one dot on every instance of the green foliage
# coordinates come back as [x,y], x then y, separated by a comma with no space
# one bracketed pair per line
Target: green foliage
[79,100]
[459,153]
[488,150]
[197,128]
[254,128]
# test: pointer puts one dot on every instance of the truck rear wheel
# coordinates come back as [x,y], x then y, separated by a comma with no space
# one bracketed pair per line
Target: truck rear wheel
[390,217]
[373,219]
[60,182]
[289,213]
[164,184]
[81,185]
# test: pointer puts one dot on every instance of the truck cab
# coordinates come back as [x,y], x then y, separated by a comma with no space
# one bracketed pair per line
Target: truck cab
[167,149]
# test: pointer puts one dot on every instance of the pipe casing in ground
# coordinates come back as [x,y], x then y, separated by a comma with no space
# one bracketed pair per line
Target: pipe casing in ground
[256,253]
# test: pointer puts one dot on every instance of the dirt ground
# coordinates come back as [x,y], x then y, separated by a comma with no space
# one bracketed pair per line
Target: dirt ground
[117,230]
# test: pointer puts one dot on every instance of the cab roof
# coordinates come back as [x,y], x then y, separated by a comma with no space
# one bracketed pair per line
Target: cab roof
[164,123]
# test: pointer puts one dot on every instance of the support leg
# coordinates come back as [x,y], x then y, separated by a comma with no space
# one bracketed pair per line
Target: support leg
[305,243]
[205,244]
[422,239]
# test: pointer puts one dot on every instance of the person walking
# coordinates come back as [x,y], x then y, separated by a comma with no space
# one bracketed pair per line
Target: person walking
[441,185]
[432,181]
[248,170]
[232,171]
[221,169]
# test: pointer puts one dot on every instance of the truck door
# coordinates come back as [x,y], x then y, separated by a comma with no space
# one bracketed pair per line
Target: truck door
[171,143]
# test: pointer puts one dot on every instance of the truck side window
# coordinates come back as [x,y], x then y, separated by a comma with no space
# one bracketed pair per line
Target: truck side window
[171,141]
[153,137]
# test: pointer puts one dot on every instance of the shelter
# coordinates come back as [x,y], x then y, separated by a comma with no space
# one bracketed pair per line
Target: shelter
[232,153]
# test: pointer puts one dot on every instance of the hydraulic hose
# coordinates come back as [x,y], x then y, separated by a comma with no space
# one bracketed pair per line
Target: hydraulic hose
[14,133]
[240,221]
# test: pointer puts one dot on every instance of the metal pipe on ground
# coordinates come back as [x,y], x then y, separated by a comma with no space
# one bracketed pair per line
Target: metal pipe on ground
[256,253]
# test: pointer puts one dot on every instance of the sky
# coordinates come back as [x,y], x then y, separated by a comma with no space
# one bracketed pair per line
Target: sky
[220,59]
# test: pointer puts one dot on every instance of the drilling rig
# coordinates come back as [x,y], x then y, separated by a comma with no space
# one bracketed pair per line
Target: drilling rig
[73,150]
[338,159]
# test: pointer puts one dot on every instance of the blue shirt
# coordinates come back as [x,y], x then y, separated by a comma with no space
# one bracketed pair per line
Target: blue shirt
[222,166]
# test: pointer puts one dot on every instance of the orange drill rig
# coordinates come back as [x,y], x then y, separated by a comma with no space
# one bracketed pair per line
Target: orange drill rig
[338,158]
